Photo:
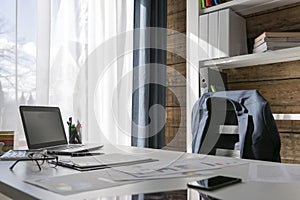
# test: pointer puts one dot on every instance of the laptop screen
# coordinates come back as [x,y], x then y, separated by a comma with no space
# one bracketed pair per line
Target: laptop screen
[43,126]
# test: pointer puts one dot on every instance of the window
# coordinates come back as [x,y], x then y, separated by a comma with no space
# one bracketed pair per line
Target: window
[17,60]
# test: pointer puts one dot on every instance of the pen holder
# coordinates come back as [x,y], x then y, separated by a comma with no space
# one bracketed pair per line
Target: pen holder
[74,134]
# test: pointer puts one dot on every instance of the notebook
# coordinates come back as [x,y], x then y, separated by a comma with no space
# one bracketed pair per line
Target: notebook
[44,129]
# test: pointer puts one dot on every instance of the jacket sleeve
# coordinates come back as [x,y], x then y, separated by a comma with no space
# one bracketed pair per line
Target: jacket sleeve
[267,147]
[273,132]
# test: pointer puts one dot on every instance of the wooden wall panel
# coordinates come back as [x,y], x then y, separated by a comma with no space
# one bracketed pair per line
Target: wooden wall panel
[285,19]
[285,70]
[175,129]
[177,43]
[173,58]
[177,22]
[176,49]
[282,92]
[278,83]
[285,109]
[176,116]
[176,97]
[175,137]
[176,6]
[290,148]
[176,75]
[288,126]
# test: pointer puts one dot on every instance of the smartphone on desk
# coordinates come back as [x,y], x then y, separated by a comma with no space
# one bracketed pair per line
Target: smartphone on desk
[214,182]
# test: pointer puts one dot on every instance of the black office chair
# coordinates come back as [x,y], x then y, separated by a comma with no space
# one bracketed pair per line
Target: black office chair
[257,137]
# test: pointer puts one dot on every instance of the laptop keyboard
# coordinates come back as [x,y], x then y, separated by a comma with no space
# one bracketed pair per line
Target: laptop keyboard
[64,147]
[73,146]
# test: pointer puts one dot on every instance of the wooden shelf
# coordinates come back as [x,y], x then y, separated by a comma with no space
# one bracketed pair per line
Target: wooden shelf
[283,55]
[246,7]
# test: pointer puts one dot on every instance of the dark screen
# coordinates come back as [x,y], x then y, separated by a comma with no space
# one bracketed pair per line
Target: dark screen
[43,127]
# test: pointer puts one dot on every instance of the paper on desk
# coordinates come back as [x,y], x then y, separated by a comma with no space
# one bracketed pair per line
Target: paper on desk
[129,177]
[274,172]
[78,182]
[183,167]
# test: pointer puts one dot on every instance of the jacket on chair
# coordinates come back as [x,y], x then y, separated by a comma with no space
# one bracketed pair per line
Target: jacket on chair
[258,134]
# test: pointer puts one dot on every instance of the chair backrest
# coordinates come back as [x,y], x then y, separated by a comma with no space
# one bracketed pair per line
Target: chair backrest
[225,132]
[257,131]
[227,144]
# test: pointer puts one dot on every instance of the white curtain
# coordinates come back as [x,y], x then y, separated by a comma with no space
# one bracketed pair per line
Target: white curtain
[84,64]
[110,40]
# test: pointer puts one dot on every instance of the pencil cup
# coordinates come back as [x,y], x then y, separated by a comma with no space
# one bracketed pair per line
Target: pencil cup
[74,135]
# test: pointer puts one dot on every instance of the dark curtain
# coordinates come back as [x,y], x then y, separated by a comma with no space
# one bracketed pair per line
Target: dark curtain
[149,77]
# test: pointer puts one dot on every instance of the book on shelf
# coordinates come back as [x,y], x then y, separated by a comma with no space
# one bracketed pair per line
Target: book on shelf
[203,4]
[278,39]
[270,46]
[209,3]
[277,35]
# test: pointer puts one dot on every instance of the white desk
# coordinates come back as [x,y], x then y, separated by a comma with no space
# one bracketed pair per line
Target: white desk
[12,183]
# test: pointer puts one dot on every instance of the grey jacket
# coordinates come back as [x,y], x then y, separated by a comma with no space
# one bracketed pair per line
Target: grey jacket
[258,134]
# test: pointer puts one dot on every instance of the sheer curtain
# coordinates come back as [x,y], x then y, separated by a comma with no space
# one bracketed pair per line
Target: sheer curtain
[84,63]
[110,39]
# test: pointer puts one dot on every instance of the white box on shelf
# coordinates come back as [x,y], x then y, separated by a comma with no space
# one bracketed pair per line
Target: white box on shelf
[213,32]
[203,37]
[232,37]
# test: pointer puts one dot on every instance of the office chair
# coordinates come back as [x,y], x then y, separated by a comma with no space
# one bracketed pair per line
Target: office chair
[258,137]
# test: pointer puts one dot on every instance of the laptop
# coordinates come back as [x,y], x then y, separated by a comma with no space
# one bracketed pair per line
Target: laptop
[44,129]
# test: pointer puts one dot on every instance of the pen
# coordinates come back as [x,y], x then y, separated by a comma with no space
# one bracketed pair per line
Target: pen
[85,154]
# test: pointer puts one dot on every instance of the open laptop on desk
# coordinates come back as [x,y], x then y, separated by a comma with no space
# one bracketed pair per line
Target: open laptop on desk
[44,129]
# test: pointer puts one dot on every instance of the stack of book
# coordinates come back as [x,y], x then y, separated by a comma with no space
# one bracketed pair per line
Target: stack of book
[269,41]
[210,3]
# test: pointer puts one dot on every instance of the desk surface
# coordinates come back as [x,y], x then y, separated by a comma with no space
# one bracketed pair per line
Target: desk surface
[12,183]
